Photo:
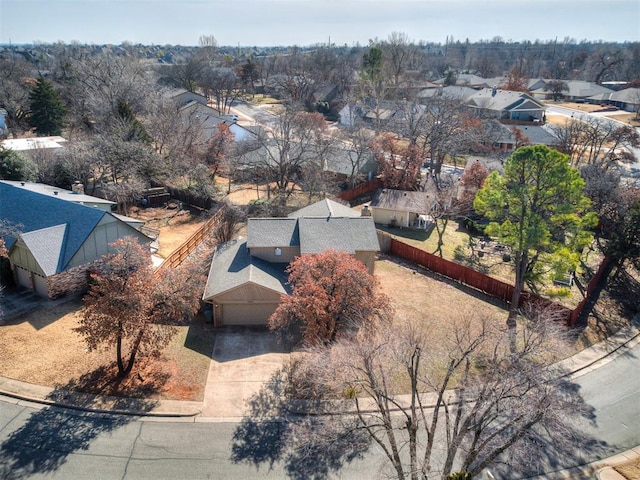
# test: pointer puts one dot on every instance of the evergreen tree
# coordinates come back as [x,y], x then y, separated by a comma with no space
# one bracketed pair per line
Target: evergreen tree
[47,109]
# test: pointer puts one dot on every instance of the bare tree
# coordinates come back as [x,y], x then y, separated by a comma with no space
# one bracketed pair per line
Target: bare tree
[463,403]
[221,84]
[592,141]
[290,145]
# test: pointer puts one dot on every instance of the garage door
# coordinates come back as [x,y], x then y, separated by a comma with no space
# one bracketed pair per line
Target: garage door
[247,314]
[24,277]
[40,285]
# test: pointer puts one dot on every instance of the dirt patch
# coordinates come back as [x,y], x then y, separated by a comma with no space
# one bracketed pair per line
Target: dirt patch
[583,107]
[175,225]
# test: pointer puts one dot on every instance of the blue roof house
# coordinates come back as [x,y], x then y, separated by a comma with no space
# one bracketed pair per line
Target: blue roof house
[59,240]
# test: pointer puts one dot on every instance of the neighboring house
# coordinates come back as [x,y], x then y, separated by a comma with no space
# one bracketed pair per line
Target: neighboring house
[503,138]
[461,93]
[467,80]
[402,208]
[507,106]
[577,90]
[59,240]
[247,276]
[182,97]
[32,144]
[207,119]
[75,196]
[627,99]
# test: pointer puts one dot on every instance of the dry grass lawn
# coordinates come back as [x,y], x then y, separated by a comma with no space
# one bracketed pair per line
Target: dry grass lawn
[417,296]
[40,347]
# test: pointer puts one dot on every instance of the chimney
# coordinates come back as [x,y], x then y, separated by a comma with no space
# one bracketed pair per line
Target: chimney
[77,187]
[365,212]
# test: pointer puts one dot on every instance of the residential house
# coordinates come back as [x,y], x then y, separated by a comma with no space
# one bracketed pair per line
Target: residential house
[182,97]
[467,80]
[627,99]
[505,138]
[247,276]
[507,106]
[457,92]
[207,119]
[59,240]
[401,208]
[577,91]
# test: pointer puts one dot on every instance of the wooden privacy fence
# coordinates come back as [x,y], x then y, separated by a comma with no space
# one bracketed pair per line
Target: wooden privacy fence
[362,189]
[472,278]
[179,254]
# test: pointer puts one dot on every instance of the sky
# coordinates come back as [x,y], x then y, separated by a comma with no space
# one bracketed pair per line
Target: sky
[309,22]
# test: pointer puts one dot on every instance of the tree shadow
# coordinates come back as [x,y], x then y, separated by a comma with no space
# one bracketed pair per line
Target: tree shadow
[558,443]
[308,446]
[50,435]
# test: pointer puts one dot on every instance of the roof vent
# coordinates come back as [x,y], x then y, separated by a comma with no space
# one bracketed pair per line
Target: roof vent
[55,192]
[22,183]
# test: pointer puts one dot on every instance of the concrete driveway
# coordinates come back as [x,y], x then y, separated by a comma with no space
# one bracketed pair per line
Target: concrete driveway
[243,360]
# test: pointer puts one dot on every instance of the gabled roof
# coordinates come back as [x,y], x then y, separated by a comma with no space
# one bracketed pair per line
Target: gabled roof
[320,226]
[46,246]
[272,232]
[402,200]
[628,95]
[500,100]
[49,226]
[34,211]
[325,208]
[458,92]
[344,234]
[232,266]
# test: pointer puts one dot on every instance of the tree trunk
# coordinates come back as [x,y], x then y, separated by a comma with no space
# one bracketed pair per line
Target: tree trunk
[132,355]
[119,351]
[514,308]
[594,290]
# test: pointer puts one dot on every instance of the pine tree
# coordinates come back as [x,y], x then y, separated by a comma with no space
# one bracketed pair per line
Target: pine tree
[47,109]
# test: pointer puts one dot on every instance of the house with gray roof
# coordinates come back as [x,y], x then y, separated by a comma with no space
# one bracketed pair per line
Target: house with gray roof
[402,208]
[627,99]
[507,106]
[577,90]
[247,276]
[59,240]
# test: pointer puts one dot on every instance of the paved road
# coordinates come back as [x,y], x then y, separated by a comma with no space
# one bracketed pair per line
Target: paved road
[56,443]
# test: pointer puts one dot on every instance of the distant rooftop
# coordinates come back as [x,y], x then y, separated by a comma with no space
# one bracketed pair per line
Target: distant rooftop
[35,143]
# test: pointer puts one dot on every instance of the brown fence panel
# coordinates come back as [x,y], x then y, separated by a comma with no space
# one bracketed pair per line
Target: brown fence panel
[472,278]
[362,189]
[179,254]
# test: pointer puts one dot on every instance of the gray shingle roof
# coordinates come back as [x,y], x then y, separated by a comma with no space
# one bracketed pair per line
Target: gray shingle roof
[325,208]
[413,202]
[502,100]
[60,193]
[46,246]
[272,232]
[232,266]
[344,234]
